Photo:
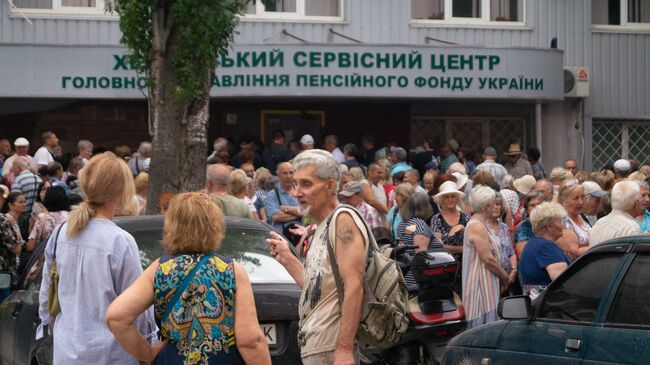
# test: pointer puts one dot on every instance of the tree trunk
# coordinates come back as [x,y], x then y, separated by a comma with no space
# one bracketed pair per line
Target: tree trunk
[178,159]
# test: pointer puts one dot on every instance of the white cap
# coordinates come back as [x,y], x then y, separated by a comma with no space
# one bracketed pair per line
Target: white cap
[21,142]
[622,165]
[592,188]
[307,139]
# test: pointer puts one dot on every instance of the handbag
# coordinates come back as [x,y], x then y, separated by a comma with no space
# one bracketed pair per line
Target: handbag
[53,306]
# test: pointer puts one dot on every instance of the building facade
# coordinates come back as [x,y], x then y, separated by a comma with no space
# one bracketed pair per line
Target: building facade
[483,72]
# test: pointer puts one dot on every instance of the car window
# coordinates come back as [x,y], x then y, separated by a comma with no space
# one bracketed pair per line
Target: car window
[577,294]
[246,246]
[630,305]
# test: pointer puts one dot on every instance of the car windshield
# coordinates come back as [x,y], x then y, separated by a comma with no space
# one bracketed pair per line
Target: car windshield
[246,246]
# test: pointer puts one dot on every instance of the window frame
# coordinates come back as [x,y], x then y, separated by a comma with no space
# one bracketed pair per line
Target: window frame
[625,26]
[298,16]
[67,12]
[482,22]
[614,296]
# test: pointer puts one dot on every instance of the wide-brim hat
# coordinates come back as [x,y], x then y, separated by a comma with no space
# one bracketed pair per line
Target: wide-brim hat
[524,184]
[461,179]
[513,149]
[448,187]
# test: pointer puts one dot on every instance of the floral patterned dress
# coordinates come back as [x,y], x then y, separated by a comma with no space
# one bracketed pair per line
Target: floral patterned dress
[201,325]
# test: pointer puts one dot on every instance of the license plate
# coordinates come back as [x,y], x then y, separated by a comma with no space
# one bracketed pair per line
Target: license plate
[270,333]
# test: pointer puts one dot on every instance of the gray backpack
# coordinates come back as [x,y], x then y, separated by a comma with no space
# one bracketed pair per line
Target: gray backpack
[383,312]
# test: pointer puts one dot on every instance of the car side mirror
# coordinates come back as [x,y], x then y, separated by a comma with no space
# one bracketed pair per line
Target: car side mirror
[516,307]
[5,280]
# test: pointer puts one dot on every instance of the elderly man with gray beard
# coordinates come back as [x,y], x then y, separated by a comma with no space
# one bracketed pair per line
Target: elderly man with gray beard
[328,327]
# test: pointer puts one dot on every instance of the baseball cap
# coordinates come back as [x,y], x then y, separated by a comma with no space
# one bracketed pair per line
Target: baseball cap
[622,165]
[21,142]
[307,139]
[490,151]
[592,188]
[351,188]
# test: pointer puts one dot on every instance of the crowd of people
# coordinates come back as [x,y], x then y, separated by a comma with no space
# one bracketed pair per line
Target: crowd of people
[514,227]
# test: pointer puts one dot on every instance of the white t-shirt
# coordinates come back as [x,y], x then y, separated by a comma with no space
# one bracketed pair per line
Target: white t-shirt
[338,155]
[43,156]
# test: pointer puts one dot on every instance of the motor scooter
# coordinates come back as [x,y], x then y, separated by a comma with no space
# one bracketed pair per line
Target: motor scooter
[435,311]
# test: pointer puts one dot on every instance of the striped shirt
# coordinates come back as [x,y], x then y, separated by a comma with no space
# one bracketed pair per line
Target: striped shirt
[405,233]
[27,183]
[495,169]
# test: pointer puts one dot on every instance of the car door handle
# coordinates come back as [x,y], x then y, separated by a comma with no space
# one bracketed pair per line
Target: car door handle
[572,344]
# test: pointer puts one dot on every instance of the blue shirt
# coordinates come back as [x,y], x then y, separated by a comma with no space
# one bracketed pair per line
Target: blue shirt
[272,206]
[524,231]
[645,224]
[539,253]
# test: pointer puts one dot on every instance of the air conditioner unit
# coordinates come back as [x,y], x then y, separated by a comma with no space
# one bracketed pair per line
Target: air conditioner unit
[576,82]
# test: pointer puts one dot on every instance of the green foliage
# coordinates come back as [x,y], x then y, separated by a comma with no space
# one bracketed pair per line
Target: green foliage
[200,30]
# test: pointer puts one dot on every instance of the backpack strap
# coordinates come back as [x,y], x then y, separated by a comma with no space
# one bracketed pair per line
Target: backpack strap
[181,288]
[372,247]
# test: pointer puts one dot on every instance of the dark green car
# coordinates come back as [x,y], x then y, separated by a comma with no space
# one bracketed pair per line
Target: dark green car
[596,312]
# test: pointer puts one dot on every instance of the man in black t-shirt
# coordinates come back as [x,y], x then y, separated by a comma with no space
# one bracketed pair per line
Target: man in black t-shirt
[276,151]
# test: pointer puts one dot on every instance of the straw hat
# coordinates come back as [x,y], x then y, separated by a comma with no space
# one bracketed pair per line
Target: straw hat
[514,149]
[448,187]
[525,184]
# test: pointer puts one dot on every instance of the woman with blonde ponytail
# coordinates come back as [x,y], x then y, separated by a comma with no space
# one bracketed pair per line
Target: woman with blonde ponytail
[96,261]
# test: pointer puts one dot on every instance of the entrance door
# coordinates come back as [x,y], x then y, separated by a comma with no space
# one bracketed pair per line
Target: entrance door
[294,123]
[475,133]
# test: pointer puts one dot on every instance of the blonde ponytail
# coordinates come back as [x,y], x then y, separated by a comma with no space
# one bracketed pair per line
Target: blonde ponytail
[106,180]
[79,218]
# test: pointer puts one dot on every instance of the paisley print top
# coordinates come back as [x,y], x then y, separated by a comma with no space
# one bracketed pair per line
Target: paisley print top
[202,322]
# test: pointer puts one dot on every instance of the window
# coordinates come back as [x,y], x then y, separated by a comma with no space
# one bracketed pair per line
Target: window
[296,9]
[468,11]
[630,305]
[631,13]
[612,140]
[61,6]
[577,296]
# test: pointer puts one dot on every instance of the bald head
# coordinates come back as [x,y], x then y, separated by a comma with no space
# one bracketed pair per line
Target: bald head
[217,176]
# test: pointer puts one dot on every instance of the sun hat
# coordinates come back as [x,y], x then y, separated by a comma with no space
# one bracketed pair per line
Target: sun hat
[513,149]
[21,142]
[593,189]
[453,144]
[461,179]
[525,184]
[448,187]
[351,188]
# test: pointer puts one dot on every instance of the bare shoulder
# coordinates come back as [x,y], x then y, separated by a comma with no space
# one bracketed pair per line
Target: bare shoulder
[346,228]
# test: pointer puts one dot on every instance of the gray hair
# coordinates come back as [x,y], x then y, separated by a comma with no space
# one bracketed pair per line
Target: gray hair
[417,205]
[643,184]
[84,144]
[544,214]
[625,194]
[220,143]
[507,181]
[457,167]
[399,152]
[480,197]
[144,147]
[217,174]
[415,173]
[22,162]
[532,196]
[271,183]
[326,165]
